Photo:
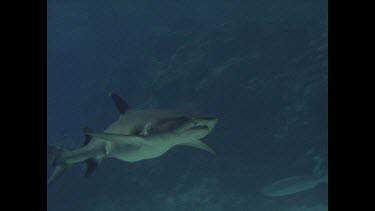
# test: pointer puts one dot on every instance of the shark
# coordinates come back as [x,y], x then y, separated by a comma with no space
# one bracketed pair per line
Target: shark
[294,184]
[137,135]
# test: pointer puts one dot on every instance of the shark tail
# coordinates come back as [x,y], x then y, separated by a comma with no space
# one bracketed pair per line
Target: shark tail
[54,154]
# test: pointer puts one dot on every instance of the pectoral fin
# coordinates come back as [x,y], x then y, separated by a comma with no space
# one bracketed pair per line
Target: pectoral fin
[92,164]
[200,145]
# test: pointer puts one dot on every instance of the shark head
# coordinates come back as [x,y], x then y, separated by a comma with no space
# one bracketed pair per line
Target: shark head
[196,132]
[210,123]
[196,128]
[185,129]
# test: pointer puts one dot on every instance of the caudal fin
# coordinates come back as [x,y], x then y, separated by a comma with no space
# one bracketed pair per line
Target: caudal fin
[53,155]
[59,170]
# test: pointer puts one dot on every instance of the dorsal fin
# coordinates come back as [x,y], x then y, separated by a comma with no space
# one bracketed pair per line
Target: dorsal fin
[87,137]
[92,164]
[120,103]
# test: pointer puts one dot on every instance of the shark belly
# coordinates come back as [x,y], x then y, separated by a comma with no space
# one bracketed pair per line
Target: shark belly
[94,150]
[134,154]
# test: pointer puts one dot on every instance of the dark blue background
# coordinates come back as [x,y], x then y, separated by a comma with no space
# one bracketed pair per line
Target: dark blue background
[259,66]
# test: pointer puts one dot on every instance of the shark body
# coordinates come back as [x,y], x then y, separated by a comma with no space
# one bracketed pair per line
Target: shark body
[292,185]
[137,135]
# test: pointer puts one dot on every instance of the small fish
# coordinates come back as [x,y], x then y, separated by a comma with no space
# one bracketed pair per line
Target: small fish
[293,185]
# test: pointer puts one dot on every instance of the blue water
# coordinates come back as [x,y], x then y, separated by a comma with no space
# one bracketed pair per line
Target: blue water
[258,66]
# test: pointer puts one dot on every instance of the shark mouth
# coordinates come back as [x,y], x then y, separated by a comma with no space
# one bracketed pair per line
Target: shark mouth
[210,123]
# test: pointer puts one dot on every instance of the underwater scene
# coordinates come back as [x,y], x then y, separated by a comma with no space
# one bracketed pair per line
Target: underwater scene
[177,105]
